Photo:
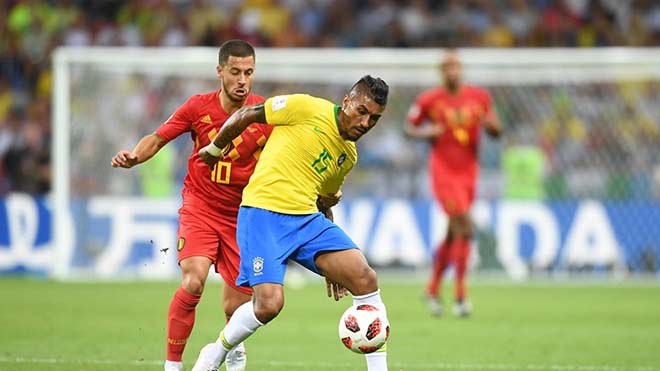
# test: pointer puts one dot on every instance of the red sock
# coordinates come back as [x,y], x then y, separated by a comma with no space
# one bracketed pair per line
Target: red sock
[460,254]
[180,321]
[440,262]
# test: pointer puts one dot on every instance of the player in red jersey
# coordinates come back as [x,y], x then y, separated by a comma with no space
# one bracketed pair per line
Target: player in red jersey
[451,116]
[207,218]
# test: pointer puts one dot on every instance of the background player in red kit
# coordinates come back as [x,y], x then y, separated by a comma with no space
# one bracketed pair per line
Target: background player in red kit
[451,116]
[207,219]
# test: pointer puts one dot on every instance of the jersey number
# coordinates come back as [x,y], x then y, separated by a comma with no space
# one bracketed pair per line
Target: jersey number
[321,163]
[221,172]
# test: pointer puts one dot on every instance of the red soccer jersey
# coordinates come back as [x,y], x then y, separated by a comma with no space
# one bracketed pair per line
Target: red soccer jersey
[454,156]
[203,116]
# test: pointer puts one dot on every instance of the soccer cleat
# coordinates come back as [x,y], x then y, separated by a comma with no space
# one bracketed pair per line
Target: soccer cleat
[434,305]
[462,308]
[236,358]
[210,358]
[173,366]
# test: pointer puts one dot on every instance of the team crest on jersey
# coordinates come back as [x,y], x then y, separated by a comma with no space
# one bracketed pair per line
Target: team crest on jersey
[341,159]
[258,265]
[180,244]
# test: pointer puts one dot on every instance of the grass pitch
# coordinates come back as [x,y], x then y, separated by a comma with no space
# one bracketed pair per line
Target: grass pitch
[121,326]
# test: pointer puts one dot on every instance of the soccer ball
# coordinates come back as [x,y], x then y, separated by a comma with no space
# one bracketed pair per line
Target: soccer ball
[363,328]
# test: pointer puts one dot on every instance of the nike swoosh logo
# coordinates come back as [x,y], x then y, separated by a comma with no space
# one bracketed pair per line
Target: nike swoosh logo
[316,129]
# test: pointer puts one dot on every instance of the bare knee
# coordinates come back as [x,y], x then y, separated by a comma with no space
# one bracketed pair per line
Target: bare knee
[195,269]
[365,281]
[265,309]
[467,231]
[193,283]
[461,227]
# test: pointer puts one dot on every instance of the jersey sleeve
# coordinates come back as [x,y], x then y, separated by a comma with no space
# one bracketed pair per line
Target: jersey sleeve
[178,123]
[286,109]
[418,111]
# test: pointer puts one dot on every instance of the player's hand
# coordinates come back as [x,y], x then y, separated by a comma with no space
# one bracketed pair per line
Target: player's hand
[208,158]
[335,290]
[124,159]
[435,130]
[324,202]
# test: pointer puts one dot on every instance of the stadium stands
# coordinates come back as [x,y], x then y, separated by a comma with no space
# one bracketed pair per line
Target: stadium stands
[569,134]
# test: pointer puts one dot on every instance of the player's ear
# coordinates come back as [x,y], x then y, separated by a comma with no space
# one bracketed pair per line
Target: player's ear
[345,102]
[218,71]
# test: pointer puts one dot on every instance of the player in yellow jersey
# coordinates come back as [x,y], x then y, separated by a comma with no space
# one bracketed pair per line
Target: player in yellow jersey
[309,153]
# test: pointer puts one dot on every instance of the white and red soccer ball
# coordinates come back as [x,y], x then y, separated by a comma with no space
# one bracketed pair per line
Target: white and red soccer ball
[363,328]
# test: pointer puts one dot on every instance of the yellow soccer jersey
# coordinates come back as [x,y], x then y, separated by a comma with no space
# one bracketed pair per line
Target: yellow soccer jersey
[304,157]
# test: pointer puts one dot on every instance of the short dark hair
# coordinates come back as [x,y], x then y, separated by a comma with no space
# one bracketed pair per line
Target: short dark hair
[375,87]
[236,48]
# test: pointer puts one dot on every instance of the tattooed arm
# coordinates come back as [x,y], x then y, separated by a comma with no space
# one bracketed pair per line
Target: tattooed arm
[232,128]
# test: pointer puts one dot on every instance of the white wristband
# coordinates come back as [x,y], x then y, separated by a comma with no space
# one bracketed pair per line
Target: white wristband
[214,150]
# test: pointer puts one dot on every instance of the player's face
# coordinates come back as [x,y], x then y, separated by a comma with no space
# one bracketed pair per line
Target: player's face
[360,114]
[236,76]
[451,70]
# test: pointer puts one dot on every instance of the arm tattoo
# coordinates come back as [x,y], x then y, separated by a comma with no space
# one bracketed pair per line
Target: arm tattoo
[240,120]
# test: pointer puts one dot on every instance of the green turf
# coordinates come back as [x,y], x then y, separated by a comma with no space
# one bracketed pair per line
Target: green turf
[121,326]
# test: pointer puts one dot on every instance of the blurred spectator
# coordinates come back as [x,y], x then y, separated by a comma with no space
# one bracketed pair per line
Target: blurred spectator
[27,160]
[157,175]
[520,20]
[6,98]
[523,167]
[572,136]
[498,35]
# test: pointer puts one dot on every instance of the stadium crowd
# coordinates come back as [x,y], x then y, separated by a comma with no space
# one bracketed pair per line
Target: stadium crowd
[620,141]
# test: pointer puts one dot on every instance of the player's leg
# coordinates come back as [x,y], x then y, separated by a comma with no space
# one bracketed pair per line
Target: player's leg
[263,266]
[197,249]
[460,254]
[268,301]
[446,194]
[181,313]
[227,264]
[350,269]
[231,300]
[328,251]
[441,260]
[462,232]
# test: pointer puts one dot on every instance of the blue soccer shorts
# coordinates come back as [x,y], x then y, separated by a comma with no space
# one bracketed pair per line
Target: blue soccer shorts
[268,239]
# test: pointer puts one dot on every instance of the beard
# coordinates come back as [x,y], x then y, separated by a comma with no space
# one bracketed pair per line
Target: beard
[453,84]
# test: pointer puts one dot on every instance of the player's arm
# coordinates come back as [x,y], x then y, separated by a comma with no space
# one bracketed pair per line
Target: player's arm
[427,130]
[146,148]
[232,128]
[333,289]
[325,203]
[492,123]
[418,125]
